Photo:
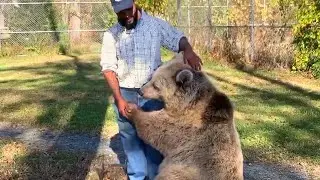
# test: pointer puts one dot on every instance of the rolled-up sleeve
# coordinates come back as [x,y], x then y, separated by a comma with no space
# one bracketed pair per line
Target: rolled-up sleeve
[108,60]
[170,36]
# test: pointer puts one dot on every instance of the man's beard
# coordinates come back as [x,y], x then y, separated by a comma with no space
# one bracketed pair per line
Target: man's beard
[128,26]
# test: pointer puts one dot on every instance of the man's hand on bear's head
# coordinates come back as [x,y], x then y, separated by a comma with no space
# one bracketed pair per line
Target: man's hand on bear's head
[192,59]
[131,109]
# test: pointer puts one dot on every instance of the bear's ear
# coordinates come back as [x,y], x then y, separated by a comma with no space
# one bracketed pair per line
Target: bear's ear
[221,108]
[184,77]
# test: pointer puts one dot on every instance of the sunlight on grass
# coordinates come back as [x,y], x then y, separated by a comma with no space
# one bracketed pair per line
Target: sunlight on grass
[277,113]
[17,163]
[62,93]
[10,151]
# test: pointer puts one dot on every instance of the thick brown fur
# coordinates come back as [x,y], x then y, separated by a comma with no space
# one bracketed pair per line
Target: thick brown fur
[195,131]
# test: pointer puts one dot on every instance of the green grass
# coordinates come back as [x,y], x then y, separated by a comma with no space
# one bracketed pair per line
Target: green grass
[18,163]
[277,113]
[60,92]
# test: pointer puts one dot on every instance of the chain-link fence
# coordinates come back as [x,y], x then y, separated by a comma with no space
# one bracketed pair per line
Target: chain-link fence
[258,31]
[253,31]
[46,27]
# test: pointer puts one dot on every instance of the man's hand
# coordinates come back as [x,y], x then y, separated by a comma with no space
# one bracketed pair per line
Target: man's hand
[192,59]
[189,55]
[122,106]
[131,108]
[112,80]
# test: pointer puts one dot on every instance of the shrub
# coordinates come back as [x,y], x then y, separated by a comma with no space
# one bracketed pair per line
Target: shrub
[307,37]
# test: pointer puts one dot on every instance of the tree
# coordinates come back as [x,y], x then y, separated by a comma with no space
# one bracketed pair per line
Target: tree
[155,7]
[307,36]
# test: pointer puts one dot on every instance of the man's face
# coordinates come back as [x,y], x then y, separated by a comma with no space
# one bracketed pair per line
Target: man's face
[128,17]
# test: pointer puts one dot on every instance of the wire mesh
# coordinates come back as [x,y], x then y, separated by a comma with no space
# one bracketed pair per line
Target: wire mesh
[258,31]
[37,26]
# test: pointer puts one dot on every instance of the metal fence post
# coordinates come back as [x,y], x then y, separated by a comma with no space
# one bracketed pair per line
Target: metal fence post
[1,24]
[209,18]
[228,23]
[178,12]
[252,2]
[189,21]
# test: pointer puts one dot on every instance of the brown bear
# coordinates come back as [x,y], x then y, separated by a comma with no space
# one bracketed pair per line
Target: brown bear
[195,131]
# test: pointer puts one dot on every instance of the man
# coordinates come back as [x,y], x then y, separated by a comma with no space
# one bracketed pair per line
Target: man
[130,54]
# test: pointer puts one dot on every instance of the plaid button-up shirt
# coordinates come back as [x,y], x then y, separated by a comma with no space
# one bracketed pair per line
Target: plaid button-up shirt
[135,54]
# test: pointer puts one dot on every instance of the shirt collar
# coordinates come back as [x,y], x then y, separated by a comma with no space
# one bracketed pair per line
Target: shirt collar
[143,14]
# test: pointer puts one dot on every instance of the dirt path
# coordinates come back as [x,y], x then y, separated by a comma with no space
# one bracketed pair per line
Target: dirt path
[45,140]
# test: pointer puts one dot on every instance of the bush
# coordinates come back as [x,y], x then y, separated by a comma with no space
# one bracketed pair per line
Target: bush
[307,37]
[315,68]
[154,7]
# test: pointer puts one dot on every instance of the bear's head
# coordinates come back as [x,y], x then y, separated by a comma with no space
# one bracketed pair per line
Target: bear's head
[183,89]
[172,80]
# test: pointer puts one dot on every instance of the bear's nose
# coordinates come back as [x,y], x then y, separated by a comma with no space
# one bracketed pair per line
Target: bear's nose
[140,92]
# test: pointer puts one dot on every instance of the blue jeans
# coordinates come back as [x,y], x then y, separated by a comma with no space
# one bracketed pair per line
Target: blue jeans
[142,160]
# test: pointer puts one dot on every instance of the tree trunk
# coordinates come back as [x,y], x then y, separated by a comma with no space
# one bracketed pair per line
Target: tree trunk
[74,23]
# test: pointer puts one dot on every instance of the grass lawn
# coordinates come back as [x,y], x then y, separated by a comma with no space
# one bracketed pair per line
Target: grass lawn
[58,92]
[277,113]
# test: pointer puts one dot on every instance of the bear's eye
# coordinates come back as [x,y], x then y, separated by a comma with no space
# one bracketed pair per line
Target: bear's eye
[155,86]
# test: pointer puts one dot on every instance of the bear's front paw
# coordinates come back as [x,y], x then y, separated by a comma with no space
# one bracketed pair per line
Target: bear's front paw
[131,109]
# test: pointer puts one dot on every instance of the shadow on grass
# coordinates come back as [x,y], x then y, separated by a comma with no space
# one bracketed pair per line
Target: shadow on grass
[311,94]
[116,146]
[296,134]
[77,105]
[88,115]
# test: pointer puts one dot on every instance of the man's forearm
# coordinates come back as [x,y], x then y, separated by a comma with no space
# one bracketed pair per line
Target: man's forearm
[113,83]
[189,56]
[184,44]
